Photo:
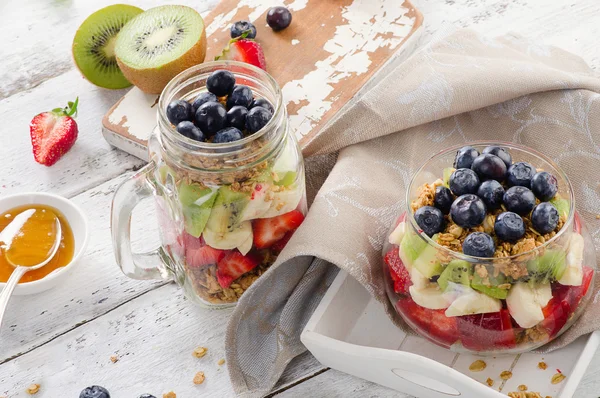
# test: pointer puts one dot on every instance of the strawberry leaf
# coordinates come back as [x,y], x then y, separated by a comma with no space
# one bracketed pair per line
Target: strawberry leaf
[69,110]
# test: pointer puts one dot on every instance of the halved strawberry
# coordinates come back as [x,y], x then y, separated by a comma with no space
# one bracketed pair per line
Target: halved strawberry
[234,265]
[53,133]
[199,254]
[267,231]
[482,332]
[281,243]
[398,271]
[434,324]
[244,50]
[556,315]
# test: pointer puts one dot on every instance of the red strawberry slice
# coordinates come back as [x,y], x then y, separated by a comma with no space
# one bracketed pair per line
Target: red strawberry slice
[234,265]
[434,324]
[198,254]
[53,133]
[556,315]
[280,244]
[244,50]
[267,231]
[482,332]
[398,271]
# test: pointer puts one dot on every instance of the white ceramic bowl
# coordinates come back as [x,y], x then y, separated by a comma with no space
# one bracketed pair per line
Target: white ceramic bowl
[76,219]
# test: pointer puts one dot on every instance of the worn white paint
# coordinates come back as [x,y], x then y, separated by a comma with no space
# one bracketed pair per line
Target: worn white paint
[138,123]
[36,57]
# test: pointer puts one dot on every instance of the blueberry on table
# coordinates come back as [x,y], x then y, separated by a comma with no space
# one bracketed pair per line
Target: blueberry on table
[202,99]
[241,27]
[179,111]
[544,218]
[520,174]
[443,199]
[94,392]
[519,200]
[263,103]
[211,117]
[464,157]
[236,117]
[220,82]
[544,186]
[230,134]
[241,95]
[491,192]
[146,396]
[479,244]
[279,18]
[502,153]
[190,130]
[489,167]
[463,181]
[468,211]
[257,118]
[430,220]
[509,226]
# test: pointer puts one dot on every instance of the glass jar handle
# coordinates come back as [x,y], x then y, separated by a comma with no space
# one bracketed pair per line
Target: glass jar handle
[149,265]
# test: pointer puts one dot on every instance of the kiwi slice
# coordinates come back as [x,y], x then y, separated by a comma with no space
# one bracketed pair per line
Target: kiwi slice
[94,45]
[160,43]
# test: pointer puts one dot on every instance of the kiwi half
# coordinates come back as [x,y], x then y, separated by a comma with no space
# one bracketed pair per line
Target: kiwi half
[160,43]
[94,45]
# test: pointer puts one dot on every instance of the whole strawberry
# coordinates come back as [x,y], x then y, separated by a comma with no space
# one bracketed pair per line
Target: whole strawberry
[53,133]
[244,50]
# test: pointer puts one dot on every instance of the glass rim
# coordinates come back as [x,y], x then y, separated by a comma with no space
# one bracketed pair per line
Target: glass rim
[509,145]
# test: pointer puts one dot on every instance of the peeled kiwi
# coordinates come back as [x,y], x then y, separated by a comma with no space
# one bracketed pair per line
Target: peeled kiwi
[160,43]
[94,45]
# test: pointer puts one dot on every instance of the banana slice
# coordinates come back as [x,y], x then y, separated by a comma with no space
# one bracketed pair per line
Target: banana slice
[430,297]
[245,247]
[573,275]
[258,205]
[227,240]
[283,202]
[473,302]
[397,235]
[419,281]
[525,303]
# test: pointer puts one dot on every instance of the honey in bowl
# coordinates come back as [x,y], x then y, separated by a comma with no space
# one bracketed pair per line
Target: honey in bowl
[32,244]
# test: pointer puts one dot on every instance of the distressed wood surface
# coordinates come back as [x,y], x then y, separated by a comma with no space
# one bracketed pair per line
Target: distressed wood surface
[64,338]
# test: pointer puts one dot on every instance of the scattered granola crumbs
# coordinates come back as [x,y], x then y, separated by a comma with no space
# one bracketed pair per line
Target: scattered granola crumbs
[114,358]
[199,378]
[221,362]
[526,394]
[33,389]
[522,387]
[558,377]
[597,216]
[506,375]
[199,352]
[548,396]
[477,366]
[542,365]
[489,382]
[170,394]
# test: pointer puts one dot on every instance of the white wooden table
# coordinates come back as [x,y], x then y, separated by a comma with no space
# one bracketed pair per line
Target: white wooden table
[63,339]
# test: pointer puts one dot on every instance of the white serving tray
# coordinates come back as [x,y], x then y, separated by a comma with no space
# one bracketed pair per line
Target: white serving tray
[350,332]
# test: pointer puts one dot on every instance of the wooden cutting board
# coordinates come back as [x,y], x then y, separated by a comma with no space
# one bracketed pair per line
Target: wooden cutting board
[321,61]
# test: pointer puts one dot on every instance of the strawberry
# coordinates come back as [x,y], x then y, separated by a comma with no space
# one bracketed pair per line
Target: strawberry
[480,332]
[198,254]
[53,133]
[281,243]
[244,50]
[267,231]
[556,315]
[234,265]
[434,324]
[398,271]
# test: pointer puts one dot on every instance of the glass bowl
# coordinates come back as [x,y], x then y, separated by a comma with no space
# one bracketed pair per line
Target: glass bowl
[530,292]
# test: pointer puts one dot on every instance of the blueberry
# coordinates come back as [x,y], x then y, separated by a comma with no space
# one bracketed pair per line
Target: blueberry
[146,396]
[519,174]
[190,130]
[179,111]
[509,226]
[220,82]
[94,392]
[479,244]
[468,211]
[502,153]
[203,98]
[279,18]
[519,200]
[241,27]
[241,95]
[544,218]
[443,199]
[491,192]
[257,118]
[544,185]
[489,167]
[229,134]
[464,157]
[236,117]
[211,117]
[430,220]
[264,103]
[463,181]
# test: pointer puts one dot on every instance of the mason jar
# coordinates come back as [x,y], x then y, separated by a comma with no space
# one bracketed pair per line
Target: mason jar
[225,211]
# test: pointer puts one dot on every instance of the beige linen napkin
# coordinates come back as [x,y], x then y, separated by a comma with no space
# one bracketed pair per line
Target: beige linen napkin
[459,89]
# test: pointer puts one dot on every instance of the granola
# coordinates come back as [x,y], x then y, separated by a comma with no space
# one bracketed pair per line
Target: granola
[33,389]
[524,394]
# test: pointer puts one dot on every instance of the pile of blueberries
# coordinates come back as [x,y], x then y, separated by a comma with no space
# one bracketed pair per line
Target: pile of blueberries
[101,392]
[483,182]
[206,119]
